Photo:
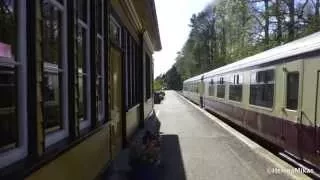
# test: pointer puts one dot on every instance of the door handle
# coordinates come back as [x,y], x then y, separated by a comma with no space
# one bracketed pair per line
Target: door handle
[299,116]
[284,110]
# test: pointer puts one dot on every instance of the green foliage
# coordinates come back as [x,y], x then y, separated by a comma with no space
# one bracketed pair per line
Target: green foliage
[159,83]
[172,79]
[230,30]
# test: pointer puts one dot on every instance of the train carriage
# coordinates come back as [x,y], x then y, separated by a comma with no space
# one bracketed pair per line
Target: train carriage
[274,94]
[75,84]
[191,89]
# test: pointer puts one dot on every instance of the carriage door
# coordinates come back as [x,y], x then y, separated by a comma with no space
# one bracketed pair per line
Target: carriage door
[115,100]
[201,91]
[291,109]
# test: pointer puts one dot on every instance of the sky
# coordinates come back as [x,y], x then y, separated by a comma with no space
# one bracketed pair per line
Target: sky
[173,19]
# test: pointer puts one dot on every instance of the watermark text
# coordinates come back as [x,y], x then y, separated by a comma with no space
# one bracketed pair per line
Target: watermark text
[289,170]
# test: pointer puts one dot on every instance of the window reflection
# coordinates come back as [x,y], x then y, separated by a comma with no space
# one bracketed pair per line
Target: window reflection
[292,90]
[81,49]
[235,92]
[8,108]
[52,28]
[114,32]
[82,98]
[235,88]
[52,101]
[99,7]
[8,28]
[52,67]
[98,57]
[82,10]
[99,77]
[81,66]
[8,76]
[211,88]
[99,60]
[262,88]
[99,97]
[221,88]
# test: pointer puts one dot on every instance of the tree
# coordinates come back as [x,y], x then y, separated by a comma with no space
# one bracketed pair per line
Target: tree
[291,30]
[230,30]
[278,14]
[173,79]
[267,23]
[159,83]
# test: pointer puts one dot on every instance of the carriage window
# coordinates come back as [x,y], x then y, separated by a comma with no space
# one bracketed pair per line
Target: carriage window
[292,90]
[52,66]
[235,88]
[8,76]
[262,88]
[211,88]
[221,88]
[196,87]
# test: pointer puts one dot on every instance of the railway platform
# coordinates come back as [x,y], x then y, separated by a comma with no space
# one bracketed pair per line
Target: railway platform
[198,146]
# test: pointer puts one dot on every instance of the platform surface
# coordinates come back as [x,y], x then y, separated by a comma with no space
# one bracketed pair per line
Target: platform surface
[197,148]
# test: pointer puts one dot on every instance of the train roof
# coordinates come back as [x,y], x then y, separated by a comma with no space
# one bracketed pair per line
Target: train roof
[300,46]
[198,77]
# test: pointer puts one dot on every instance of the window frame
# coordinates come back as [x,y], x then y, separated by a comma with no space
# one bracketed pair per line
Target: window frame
[148,76]
[131,72]
[100,39]
[54,137]
[212,86]
[134,75]
[273,68]
[129,63]
[53,69]
[21,151]
[126,73]
[80,23]
[85,75]
[236,80]
[286,96]
[221,82]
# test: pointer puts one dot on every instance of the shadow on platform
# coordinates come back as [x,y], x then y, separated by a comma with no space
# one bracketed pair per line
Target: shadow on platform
[170,168]
[171,157]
